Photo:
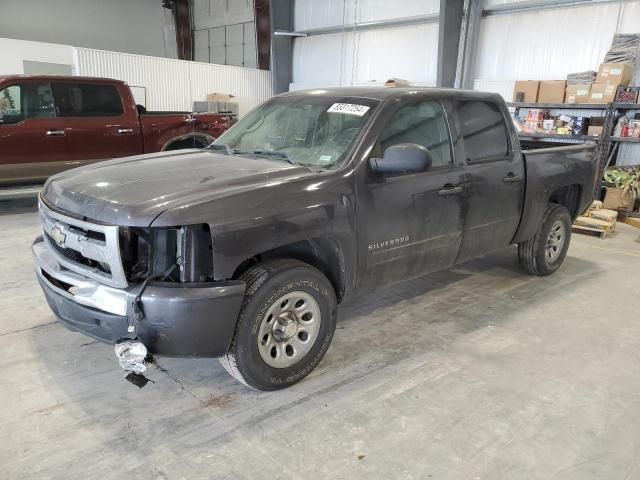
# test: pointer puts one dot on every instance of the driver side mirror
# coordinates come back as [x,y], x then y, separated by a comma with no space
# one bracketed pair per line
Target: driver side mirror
[402,159]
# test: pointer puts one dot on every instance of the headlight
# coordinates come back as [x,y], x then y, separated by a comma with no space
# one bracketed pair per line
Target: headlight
[182,254]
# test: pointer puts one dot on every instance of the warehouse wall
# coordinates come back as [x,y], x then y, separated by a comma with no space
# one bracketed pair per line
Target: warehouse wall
[549,44]
[169,84]
[133,26]
[175,84]
[368,57]
[225,32]
[545,44]
[15,52]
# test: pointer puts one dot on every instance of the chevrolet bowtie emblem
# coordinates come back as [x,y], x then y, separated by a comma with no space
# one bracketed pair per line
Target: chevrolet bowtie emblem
[58,236]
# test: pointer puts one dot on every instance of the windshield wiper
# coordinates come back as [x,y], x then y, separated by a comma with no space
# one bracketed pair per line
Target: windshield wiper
[221,146]
[274,153]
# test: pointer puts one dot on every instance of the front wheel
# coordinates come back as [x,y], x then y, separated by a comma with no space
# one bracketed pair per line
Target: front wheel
[285,326]
[544,253]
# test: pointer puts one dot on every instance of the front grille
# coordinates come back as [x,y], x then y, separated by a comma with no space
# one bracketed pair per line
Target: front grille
[68,253]
[86,248]
[75,256]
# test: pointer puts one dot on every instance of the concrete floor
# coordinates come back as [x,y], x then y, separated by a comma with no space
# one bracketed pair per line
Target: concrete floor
[476,373]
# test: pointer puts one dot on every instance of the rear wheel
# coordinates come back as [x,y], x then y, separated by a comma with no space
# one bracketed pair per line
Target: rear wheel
[285,326]
[544,253]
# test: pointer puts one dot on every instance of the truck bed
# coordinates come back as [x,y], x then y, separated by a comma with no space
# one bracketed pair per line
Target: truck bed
[552,167]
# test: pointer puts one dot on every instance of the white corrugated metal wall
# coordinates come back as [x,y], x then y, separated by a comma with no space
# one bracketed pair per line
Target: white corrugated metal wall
[175,84]
[365,57]
[541,44]
[548,44]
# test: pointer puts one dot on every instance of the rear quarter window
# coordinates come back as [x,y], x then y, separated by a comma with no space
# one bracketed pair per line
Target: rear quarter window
[484,130]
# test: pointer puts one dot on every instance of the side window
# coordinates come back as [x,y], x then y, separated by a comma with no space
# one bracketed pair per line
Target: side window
[85,100]
[484,131]
[422,123]
[26,100]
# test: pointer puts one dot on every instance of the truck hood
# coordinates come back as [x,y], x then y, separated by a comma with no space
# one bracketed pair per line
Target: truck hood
[133,191]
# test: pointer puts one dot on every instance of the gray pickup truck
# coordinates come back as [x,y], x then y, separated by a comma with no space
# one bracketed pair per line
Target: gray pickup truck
[243,250]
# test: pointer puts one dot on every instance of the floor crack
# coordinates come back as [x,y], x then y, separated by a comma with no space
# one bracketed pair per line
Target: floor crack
[27,329]
[179,382]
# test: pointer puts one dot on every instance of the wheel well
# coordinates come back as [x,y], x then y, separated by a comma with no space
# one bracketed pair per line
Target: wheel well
[323,254]
[569,196]
[188,141]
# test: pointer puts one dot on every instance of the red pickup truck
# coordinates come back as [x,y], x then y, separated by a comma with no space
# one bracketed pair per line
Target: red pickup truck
[52,123]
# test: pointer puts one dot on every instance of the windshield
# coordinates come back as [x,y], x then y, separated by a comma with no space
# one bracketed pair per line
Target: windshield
[304,129]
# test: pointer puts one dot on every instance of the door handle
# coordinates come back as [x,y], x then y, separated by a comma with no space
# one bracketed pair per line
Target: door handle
[125,131]
[450,190]
[56,133]
[511,178]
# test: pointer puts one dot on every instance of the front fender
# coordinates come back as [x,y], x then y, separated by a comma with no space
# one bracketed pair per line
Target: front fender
[273,216]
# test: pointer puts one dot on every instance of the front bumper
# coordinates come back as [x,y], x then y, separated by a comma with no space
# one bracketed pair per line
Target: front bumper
[179,319]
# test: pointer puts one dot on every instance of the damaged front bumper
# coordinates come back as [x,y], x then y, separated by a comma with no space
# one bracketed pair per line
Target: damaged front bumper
[179,319]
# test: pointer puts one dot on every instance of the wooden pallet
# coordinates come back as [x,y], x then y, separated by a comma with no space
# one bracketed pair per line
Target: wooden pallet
[634,222]
[590,224]
[592,231]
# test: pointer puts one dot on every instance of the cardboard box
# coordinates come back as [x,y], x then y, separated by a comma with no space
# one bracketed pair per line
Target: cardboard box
[618,199]
[552,91]
[219,97]
[216,107]
[528,89]
[595,130]
[602,93]
[614,74]
[396,82]
[577,93]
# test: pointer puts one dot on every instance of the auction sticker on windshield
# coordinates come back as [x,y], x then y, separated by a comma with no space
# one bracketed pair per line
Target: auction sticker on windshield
[349,108]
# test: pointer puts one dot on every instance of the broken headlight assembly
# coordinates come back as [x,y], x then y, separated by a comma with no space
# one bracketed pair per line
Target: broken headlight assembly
[181,254]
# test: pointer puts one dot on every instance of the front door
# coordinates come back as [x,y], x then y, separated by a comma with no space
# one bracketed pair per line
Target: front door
[495,178]
[34,143]
[100,126]
[410,224]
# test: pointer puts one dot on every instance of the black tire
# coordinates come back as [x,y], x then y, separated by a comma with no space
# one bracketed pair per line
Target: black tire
[533,253]
[266,283]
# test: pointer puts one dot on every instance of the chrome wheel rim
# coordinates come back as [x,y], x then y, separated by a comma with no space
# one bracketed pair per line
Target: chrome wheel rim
[289,329]
[555,241]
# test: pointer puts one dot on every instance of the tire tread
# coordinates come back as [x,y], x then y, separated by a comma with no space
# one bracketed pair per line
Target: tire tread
[528,250]
[254,277]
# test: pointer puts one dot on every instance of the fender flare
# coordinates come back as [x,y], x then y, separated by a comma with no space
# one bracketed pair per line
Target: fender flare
[203,137]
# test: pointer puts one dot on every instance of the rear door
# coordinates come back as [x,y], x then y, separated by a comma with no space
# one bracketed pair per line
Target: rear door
[494,177]
[101,126]
[411,224]
[34,143]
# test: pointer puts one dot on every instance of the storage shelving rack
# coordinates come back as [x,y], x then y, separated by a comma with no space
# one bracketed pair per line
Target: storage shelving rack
[625,150]
[607,148]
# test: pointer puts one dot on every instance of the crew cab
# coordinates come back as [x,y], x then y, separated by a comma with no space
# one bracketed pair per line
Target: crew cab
[243,250]
[53,123]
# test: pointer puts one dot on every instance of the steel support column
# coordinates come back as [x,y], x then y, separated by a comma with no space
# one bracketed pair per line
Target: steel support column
[261,11]
[473,16]
[281,45]
[451,14]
